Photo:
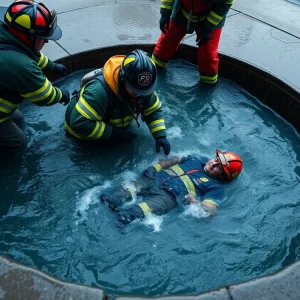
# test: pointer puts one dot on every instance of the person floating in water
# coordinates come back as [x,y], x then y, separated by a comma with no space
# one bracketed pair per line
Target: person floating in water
[162,186]
[25,27]
[114,96]
[206,18]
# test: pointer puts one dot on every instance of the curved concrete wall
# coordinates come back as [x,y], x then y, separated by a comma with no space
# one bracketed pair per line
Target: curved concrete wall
[273,92]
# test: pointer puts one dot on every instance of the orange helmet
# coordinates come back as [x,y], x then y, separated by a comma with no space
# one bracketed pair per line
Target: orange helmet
[232,164]
[32,18]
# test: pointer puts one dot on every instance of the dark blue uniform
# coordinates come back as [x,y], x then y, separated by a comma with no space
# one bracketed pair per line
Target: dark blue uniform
[163,189]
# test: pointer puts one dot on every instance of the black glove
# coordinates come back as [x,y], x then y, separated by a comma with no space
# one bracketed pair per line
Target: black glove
[203,35]
[65,99]
[164,23]
[123,134]
[60,69]
[163,142]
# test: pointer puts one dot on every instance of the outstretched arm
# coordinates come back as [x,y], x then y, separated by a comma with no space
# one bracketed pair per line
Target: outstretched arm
[164,164]
[207,205]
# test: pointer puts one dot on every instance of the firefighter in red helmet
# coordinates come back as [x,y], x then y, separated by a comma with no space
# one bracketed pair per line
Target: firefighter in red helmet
[206,18]
[25,26]
[187,180]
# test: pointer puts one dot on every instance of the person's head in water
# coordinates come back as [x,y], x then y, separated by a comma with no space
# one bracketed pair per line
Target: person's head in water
[31,22]
[138,74]
[226,166]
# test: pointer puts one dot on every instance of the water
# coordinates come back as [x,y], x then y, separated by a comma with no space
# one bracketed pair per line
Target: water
[51,219]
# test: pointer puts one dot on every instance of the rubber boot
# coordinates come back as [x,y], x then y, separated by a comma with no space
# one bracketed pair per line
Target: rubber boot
[126,216]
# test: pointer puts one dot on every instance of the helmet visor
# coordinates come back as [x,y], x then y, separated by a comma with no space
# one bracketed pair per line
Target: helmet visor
[224,162]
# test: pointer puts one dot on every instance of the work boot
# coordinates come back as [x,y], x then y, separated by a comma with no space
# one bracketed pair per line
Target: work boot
[126,216]
[113,203]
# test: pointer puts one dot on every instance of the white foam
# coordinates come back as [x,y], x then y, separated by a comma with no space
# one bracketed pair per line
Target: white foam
[153,221]
[85,199]
[195,210]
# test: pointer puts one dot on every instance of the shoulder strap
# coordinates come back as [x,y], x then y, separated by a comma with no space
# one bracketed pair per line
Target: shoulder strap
[111,97]
[4,46]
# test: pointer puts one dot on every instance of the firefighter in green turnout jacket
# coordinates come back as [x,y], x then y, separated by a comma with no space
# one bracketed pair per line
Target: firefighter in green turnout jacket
[24,29]
[108,102]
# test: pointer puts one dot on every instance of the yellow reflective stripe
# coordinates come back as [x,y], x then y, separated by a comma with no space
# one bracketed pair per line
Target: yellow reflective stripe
[37,92]
[54,95]
[154,107]
[185,179]
[86,110]
[145,208]
[158,62]
[4,119]
[42,97]
[98,130]
[209,79]
[194,18]
[230,2]
[166,7]
[210,201]
[216,16]
[41,59]
[6,106]
[71,131]
[157,129]
[45,63]
[156,122]
[157,167]
[119,122]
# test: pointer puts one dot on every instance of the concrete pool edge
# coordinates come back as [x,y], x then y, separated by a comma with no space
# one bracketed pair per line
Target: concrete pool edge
[271,91]
[18,281]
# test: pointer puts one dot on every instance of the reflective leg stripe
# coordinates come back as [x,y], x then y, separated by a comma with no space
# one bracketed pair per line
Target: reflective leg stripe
[185,179]
[7,107]
[72,132]
[153,108]
[209,79]
[158,62]
[145,208]
[157,125]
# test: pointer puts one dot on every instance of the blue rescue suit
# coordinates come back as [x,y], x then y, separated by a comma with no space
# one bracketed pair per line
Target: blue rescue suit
[163,189]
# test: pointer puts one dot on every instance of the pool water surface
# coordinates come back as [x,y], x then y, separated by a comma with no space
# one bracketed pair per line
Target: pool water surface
[51,218]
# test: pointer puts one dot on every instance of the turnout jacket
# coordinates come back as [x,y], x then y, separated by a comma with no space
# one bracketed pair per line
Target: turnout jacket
[22,77]
[190,13]
[187,177]
[86,113]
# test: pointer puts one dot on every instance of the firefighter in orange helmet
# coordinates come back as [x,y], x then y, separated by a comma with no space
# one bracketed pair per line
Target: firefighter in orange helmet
[187,180]
[25,26]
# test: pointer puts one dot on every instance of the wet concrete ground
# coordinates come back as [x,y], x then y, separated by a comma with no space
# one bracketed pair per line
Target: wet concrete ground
[265,33]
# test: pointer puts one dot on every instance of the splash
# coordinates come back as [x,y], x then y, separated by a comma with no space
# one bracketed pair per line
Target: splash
[195,210]
[153,221]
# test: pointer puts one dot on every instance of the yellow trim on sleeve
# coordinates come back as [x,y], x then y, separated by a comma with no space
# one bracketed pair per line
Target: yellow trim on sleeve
[158,128]
[40,90]
[157,167]
[210,201]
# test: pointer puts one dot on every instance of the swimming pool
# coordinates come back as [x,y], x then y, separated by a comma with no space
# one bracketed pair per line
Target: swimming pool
[51,217]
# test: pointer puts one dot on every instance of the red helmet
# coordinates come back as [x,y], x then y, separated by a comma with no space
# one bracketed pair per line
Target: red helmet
[32,18]
[232,164]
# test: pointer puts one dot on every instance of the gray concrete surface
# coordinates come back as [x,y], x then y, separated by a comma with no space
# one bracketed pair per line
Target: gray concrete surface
[265,33]
[21,282]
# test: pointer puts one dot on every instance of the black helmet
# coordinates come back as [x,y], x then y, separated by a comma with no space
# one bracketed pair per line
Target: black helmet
[33,18]
[139,72]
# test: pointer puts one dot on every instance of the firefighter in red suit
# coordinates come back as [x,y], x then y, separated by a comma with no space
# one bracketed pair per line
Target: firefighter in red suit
[206,18]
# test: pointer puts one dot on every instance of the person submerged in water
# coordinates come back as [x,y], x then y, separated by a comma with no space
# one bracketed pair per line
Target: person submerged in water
[188,179]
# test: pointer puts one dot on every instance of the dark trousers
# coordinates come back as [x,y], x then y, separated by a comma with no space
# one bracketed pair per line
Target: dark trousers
[11,133]
[153,195]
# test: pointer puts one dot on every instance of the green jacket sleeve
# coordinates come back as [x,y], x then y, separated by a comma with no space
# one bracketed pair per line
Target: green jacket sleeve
[32,84]
[86,117]
[166,7]
[154,117]
[217,13]
[45,63]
